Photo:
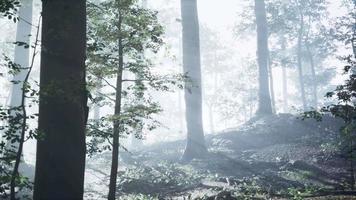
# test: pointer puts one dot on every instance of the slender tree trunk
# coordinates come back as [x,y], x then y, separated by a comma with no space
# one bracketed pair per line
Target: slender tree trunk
[271,84]
[116,130]
[313,73]
[23,35]
[22,128]
[264,103]
[193,96]
[15,172]
[300,64]
[284,79]
[63,111]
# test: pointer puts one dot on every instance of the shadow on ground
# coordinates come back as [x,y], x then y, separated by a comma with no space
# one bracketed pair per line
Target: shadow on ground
[273,156]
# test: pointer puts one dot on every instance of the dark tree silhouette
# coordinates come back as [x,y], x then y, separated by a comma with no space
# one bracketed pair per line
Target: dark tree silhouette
[62,111]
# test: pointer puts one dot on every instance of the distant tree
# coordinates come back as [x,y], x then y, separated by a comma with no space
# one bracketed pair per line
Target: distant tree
[60,158]
[16,119]
[343,98]
[303,46]
[195,147]
[22,53]
[264,106]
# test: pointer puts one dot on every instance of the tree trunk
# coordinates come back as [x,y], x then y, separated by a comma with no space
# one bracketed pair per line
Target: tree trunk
[300,65]
[195,147]
[313,73]
[284,79]
[116,130]
[271,84]
[63,111]
[180,113]
[264,103]
[23,34]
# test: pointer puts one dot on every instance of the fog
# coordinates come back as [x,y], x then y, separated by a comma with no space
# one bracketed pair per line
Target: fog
[145,99]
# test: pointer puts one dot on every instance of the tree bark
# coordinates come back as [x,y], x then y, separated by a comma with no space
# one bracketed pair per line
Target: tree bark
[116,130]
[63,111]
[264,103]
[195,147]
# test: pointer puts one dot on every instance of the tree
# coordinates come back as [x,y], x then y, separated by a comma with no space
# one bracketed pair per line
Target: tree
[117,43]
[343,105]
[117,112]
[60,158]
[288,44]
[22,53]
[195,147]
[265,106]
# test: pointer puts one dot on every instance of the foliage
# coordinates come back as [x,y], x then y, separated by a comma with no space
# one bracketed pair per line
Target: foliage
[15,128]
[141,36]
[162,176]
[8,8]
[344,98]
[15,122]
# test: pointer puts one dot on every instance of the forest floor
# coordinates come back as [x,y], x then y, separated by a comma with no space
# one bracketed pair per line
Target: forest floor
[272,157]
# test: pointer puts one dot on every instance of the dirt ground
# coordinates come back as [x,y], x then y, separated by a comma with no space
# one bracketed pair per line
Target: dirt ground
[272,157]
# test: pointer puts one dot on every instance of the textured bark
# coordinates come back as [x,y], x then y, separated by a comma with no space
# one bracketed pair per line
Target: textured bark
[264,103]
[63,110]
[195,147]
[116,130]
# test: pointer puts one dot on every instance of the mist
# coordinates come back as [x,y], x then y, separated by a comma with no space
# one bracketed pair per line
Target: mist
[179,99]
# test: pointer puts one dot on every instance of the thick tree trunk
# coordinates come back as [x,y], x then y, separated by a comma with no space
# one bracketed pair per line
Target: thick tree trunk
[300,64]
[23,35]
[193,95]
[63,110]
[264,103]
[116,130]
